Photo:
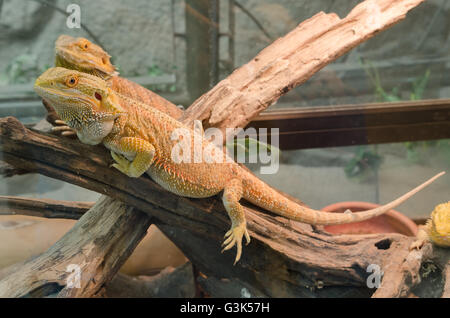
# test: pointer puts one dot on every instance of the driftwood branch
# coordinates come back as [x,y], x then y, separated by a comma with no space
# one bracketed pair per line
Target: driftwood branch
[290,61]
[170,282]
[47,208]
[95,248]
[8,170]
[285,258]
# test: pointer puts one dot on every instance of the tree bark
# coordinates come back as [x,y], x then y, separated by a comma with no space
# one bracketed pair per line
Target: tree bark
[47,208]
[170,282]
[96,247]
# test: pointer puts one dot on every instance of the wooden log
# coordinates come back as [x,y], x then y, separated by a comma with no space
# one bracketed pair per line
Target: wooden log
[92,248]
[285,257]
[228,288]
[8,170]
[446,292]
[170,282]
[47,208]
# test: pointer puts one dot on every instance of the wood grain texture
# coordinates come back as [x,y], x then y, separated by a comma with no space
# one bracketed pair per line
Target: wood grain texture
[47,208]
[96,244]
[169,283]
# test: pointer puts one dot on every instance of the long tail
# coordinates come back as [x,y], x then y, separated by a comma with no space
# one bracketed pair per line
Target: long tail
[262,195]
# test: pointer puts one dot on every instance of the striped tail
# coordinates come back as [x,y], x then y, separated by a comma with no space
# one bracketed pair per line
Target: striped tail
[262,195]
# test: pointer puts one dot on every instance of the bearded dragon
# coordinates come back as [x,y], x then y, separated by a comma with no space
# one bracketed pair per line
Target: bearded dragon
[141,139]
[437,228]
[82,55]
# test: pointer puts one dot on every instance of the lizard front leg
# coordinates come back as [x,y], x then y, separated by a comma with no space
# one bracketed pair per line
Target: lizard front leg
[144,155]
[232,193]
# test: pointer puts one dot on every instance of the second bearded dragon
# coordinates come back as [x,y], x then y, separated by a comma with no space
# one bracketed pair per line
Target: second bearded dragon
[82,55]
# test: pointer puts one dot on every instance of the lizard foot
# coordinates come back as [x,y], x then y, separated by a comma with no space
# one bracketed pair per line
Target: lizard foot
[122,164]
[234,237]
[63,128]
[422,238]
[416,245]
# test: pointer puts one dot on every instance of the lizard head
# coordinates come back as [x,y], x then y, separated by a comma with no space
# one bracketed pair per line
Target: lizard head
[85,102]
[82,55]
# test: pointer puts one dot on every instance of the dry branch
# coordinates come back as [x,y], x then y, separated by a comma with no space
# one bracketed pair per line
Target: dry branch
[46,208]
[99,243]
[446,292]
[170,282]
[403,272]
[8,170]
[290,61]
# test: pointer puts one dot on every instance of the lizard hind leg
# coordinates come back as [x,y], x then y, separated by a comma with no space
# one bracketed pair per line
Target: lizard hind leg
[232,193]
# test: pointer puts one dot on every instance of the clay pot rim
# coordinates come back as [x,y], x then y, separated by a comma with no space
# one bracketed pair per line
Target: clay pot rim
[344,205]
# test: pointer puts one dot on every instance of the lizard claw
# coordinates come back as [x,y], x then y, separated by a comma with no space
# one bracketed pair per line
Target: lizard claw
[69,133]
[234,237]
[63,128]
[60,122]
[121,163]
[417,245]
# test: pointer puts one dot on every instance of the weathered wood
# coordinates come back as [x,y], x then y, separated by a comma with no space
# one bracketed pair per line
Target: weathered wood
[290,61]
[285,258]
[228,288]
[446,292]
[98,245]
[7,170]
[46,208]
[170,282]
[441,258]
[402,272]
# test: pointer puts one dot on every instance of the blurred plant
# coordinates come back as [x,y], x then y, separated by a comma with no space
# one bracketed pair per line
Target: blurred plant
[155,70]
[248,143]
[22,69]
[366,160]
[418,86]
[415,151]
[364,164]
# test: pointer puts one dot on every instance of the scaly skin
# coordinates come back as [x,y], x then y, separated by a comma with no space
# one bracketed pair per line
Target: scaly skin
[82,55]
[437,228]
[140,141]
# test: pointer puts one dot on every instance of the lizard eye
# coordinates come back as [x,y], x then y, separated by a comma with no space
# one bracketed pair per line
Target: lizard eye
[84,45]
[71,81]
[98,96]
